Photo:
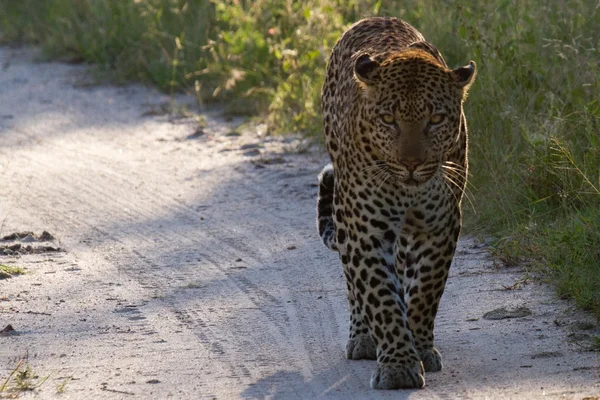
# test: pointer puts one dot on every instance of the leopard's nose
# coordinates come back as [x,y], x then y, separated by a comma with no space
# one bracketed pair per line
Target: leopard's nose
[411,163]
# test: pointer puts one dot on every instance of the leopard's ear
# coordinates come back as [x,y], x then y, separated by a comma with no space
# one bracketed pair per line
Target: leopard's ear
[465,76]
[366,69]
[429,48]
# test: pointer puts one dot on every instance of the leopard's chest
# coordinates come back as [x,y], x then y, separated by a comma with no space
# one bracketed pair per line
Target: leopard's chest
[377,216]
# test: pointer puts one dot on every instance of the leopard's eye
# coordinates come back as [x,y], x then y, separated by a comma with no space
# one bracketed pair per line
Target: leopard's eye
[436,119]
[388,118]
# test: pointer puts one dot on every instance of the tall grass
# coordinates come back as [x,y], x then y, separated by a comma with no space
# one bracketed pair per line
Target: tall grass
[158,41]
[534,113]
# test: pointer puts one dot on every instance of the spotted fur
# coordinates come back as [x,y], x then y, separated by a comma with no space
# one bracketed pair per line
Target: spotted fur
[389,203]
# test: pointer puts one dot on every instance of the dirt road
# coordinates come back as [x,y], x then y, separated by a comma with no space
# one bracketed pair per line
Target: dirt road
[190,268]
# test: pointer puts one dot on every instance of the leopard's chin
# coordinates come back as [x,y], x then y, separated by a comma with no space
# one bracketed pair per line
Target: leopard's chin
[412,183]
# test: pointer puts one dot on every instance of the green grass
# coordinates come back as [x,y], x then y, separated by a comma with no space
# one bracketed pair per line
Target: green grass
[7,271]
[21,379]
[534,113]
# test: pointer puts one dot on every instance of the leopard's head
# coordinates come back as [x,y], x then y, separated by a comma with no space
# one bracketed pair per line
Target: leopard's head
[411,108]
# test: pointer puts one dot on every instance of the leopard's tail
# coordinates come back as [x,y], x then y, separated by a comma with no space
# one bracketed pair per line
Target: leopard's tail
[325,207]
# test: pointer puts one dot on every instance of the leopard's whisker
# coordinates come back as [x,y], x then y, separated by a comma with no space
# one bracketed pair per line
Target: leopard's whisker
[385,177]
[449,184]
[460,188]
[378,171]
[451,191]
[460,173]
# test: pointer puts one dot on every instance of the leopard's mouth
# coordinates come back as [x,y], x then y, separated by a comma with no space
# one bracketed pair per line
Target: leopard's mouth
[406,178]
[409,179]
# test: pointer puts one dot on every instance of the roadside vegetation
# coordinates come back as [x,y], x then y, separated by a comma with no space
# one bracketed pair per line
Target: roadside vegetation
[534,111]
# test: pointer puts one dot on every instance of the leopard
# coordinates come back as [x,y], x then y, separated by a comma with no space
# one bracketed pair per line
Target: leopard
[389,201]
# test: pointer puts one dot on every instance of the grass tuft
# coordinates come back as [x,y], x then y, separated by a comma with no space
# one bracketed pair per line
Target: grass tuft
[21,379]
[61,387]
[7,271]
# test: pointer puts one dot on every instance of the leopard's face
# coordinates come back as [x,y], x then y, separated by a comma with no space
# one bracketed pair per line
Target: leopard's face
[411,109]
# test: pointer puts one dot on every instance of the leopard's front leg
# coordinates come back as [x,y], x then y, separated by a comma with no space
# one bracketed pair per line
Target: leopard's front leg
[378,296]
[360,344]
[426,260]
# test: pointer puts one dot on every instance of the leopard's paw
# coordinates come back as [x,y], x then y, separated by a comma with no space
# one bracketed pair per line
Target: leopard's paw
[432,359]
[398,376]
[361,348]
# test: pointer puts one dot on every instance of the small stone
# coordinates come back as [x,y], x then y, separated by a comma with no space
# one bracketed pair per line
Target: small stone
[504,313]
[12,236]
[582,325]
[46,236]
[252,153]
[7,331]
[50,248]
[28,239]
[197,133]
[547,354]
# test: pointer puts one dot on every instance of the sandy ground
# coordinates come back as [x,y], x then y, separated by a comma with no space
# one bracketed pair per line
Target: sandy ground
[190,267]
